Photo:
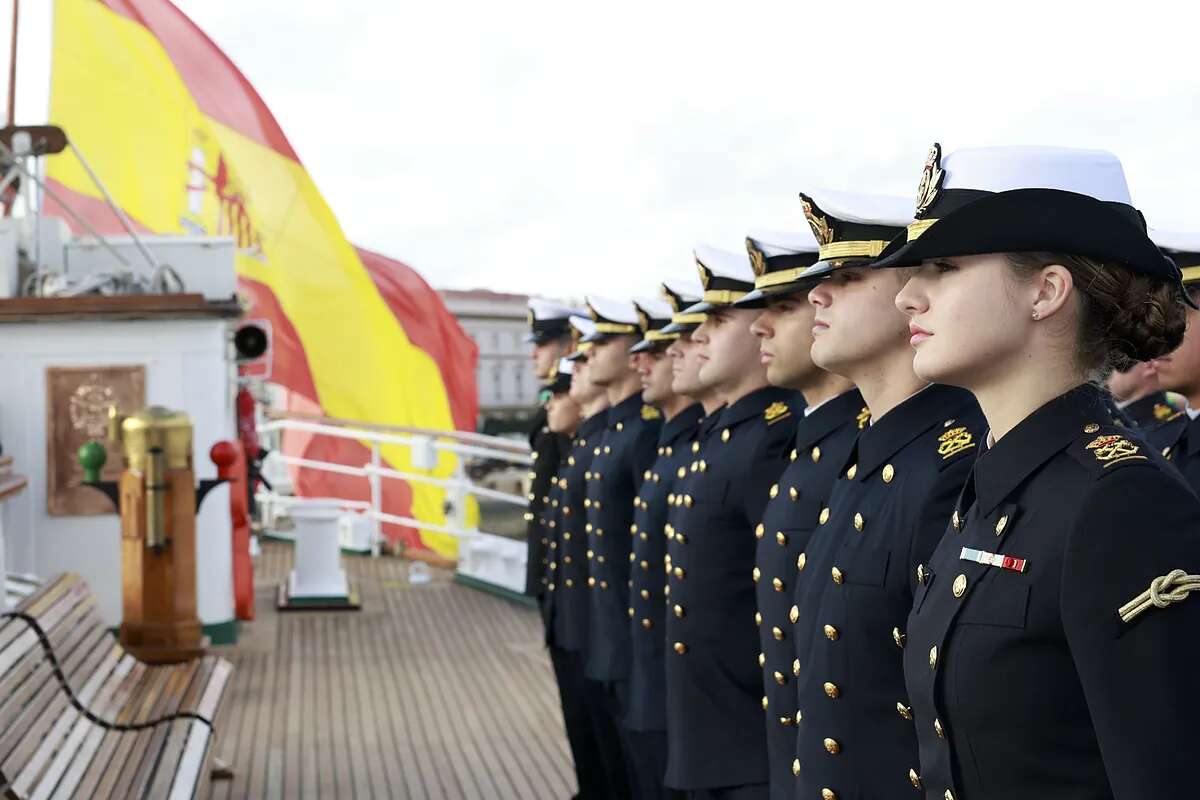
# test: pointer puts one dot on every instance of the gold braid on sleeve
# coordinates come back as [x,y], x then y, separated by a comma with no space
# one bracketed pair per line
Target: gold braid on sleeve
[1164,590]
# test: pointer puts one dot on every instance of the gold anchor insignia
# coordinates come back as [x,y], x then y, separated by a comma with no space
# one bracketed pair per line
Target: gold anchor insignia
[643,320]
[819,224]
[775,412]
[931,180]
[954,441]
[705,273]
[1113,449]
[863,418]
[758,260]
[650,412]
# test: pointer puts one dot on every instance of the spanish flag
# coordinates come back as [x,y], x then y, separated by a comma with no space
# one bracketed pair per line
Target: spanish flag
[185,145]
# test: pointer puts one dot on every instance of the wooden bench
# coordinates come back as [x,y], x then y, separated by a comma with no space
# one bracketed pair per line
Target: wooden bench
[82,718]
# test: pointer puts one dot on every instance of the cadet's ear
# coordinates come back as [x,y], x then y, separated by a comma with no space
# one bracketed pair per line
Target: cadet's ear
[1052,286]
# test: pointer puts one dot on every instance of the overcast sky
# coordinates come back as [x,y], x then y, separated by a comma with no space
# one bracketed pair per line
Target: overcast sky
[563,148]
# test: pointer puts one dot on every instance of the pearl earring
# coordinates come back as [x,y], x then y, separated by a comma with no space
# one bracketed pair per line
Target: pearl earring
[1037,315]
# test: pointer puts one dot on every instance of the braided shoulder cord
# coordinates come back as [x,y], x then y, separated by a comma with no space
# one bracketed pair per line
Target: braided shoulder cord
[1164,590]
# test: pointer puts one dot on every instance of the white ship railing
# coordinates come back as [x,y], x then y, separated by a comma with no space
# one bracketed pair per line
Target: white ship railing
[483,557]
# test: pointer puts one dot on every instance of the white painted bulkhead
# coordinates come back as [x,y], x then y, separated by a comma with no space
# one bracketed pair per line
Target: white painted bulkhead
[187,368]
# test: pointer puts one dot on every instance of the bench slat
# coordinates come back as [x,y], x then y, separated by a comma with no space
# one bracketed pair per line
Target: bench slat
[52,750]
[41,775]
[95,696]
[156,738]
[195,758]
[127,674]
[45,707]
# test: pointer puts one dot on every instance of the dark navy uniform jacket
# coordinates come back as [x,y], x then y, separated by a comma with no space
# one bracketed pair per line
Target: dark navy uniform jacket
[715,734]
[823,439]
[548,524]
[571,593]
[1025,681]
[887,511]
[647,678]
[546,449]
[619,459]
[1178,440]
[1150,410]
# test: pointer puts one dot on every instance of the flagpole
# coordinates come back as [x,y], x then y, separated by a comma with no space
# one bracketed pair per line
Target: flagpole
[12,84]
[12,67]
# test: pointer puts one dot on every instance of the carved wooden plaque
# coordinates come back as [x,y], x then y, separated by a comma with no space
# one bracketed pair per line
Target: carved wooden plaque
[77,401]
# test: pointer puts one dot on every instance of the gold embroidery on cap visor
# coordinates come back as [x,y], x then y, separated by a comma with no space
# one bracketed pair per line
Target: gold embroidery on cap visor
[689,319]
[851,249]
[615,327]
[723,297]
[1190,274]
[777,278]
[917,228]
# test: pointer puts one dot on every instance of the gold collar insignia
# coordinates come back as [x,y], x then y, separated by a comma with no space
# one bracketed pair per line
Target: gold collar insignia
[775,412]
[1114,448]
[650,412]
[954,441]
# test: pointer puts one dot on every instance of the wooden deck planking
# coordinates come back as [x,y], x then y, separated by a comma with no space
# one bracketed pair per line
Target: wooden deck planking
[431,692]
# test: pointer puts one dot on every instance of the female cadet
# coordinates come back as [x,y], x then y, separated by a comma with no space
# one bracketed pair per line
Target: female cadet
[1051,648]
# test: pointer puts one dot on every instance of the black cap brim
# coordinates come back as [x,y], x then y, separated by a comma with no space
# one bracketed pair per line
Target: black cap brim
[1039,220]
[759,297]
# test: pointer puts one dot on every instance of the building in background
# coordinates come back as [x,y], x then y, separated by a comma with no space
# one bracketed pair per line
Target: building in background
[508,389]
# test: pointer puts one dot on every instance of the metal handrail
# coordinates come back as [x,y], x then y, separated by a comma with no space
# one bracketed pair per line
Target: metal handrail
[375,472]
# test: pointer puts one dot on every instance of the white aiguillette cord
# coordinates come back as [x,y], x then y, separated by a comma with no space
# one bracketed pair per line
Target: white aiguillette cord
[1164,590]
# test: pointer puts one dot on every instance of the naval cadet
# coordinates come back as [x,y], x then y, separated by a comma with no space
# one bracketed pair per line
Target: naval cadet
[716,742]
[1178,436]
[646,714]
[621,455]
[886,512]
[572,617]
[824,433]
[563,415]
[1051,646]
[1139,396]
[550,334]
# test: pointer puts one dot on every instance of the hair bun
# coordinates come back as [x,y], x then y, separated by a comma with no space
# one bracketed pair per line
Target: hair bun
[1147,322]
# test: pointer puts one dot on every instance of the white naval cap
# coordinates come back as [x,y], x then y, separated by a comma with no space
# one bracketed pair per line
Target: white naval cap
[781,243]
[1095,173]
[1183,249]
[548,319]
[1021,199]
[863,209]
[582,328]
[654,307]
[612,317]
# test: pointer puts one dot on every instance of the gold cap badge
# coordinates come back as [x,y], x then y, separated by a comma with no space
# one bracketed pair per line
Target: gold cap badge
[931,180]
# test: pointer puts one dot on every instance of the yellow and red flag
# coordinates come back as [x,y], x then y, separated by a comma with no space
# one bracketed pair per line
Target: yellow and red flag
[186,145]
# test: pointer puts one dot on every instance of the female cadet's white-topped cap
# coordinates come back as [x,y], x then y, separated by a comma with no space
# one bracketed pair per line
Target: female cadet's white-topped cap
[581,328]
[548,320]
[654,314]
[682,294]
[1027,199]
[851,228]
[612,317]
[1183,249]
[778,258]
[726,277]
